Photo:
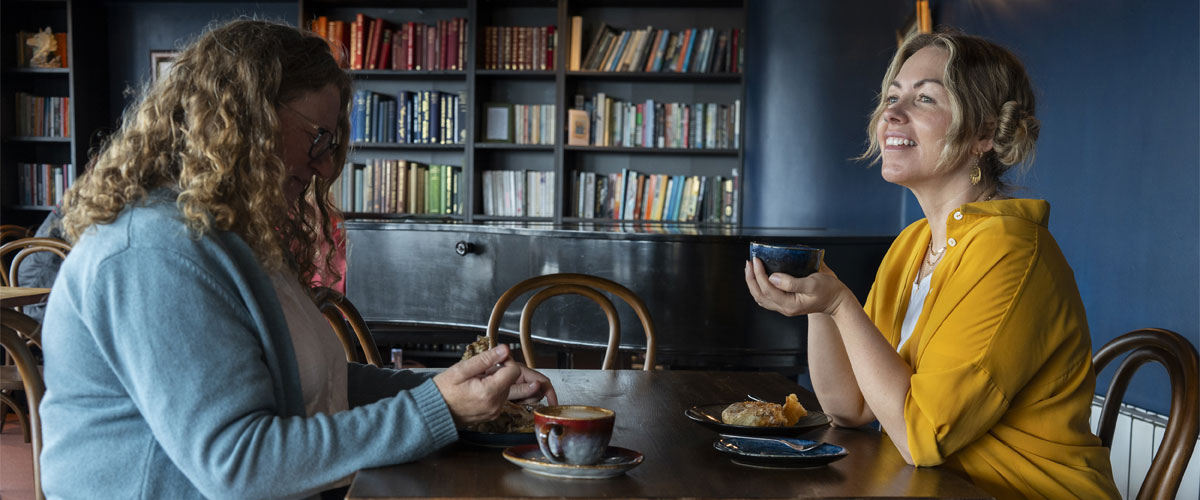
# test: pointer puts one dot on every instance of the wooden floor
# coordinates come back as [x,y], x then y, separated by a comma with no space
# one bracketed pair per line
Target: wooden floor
[16,463]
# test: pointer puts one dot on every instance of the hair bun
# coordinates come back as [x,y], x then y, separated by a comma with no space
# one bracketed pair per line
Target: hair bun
[1016,134]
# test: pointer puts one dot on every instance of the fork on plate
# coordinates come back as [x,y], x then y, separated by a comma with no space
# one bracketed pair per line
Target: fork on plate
[789,444]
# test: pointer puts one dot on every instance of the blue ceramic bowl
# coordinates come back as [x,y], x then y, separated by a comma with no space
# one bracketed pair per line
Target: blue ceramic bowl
[793,260]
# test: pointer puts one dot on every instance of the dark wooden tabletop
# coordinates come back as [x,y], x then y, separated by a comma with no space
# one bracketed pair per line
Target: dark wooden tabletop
[13,296]
[680,461]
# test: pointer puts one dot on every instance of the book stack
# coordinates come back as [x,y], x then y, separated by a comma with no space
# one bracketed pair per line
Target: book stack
[42,183]
[631,195]
[39,116]
[409,117]
[694,50]
[385,186]
[520,48]
[652,124]
[373,43]
[518,193]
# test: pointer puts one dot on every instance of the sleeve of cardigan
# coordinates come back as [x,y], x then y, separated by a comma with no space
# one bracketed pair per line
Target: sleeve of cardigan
[980,351]
[190,356]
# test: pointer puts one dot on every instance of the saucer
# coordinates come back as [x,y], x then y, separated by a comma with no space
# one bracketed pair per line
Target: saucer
[615,462]
[759,453]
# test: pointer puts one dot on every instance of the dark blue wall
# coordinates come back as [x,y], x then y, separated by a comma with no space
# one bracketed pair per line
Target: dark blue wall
[136,28]
[1118,158]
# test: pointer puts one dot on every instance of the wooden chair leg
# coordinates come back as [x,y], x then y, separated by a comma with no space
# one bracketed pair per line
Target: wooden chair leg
[21,416]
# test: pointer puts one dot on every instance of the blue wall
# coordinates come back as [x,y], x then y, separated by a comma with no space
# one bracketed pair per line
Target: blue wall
[1118,158]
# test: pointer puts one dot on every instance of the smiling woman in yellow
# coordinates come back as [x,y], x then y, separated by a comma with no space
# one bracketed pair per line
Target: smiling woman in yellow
[972,350]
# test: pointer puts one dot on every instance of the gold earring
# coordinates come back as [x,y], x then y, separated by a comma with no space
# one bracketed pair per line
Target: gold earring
[976,174]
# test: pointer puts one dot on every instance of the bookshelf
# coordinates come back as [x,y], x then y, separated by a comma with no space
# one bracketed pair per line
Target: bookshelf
[559,87]
[81,82]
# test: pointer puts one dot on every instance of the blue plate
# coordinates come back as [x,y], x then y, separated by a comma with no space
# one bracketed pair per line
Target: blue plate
[762,453]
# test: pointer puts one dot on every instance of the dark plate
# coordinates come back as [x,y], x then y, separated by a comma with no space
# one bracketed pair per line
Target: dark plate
[615,462]
[497,439]
[698,413]
[759,453]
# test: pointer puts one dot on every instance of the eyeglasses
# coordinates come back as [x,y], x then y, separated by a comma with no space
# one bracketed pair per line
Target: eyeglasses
[324,142]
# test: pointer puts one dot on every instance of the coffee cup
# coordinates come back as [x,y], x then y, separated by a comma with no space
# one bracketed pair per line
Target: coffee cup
[793,260]
[573,434]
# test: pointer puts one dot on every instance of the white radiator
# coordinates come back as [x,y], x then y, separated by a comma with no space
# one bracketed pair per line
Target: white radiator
[1135,441]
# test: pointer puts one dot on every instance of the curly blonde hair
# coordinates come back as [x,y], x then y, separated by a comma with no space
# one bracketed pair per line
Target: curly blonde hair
[990,94]
[209,132]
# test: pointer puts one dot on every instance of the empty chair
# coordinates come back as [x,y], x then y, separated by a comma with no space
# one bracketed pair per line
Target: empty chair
[17,333]
[345,318]
[1179,357]
[575,284]
[19,250]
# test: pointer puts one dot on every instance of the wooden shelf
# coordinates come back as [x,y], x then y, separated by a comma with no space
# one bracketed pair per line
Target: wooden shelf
[653,151]
[406,146]
[515,147]
[389,74]
[657,76]
[35,138]
[509,218]
[38,208]
[403,217]
[37,71]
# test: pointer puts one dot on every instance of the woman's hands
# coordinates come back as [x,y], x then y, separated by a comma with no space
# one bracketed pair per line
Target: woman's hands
[476,389]
[820,292]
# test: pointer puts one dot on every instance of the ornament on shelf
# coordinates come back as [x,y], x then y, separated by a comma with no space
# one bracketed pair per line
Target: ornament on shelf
[45,48]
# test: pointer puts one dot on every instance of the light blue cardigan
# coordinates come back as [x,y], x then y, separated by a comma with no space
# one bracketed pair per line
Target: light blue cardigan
[170,374]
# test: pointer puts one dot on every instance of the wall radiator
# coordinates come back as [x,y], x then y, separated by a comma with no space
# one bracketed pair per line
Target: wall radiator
[1135,442]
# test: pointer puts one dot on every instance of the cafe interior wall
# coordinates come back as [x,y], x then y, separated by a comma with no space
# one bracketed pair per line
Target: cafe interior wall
[1118,159]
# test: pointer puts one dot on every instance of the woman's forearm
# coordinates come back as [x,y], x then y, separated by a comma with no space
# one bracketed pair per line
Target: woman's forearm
[882,375]
[832,376]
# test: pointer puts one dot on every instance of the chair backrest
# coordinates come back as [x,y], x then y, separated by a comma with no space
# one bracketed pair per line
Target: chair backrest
[576,284]
[1179,357]
[17,331]
[340,312]
[23,248]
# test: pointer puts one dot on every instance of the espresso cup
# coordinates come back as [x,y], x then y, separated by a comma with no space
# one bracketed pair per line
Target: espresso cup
[793,260]
[573,434]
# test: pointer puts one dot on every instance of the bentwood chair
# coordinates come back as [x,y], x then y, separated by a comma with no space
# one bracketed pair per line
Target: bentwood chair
[576,284]
[23,248]
[17,333]
[1179,357]
[349,326]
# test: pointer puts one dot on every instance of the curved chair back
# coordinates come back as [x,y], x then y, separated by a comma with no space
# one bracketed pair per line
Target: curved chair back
[340,312]
[9,232]
[1179,357]
[17,331]
[575,284]
[23,248]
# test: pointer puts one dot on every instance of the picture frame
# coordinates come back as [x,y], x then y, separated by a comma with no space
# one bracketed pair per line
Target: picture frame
[578,127]
[498,122]
[160,63]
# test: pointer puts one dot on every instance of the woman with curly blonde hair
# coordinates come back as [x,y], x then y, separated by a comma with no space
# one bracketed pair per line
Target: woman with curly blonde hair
[184,357]
[972,350]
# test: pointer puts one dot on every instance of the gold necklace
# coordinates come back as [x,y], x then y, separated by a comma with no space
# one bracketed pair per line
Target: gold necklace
[932,257]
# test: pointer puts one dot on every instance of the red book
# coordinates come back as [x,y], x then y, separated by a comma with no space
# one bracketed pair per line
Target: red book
[385,51]
[462,43]
[431,48]
[410,43]
[372,58]
[419,61]
[733,56]
[452,46]
[357,40]
[398,49]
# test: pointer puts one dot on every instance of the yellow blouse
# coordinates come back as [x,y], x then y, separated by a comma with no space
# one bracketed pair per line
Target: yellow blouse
[1002,360]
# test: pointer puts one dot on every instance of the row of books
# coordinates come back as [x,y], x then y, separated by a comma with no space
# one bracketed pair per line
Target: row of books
[519,47]
[652,124]
[409,117]
[25,51]
[43,183]
[39,116]
[398,186]
[374,43]
[631,195]
[693,50]
[518,193]
[519,123]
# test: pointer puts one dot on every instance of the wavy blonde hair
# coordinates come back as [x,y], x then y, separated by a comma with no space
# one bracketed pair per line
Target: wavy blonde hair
[990,94]
[210,132]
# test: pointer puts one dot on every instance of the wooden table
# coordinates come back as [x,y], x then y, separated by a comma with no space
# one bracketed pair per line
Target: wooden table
[16,296]
[679,459]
